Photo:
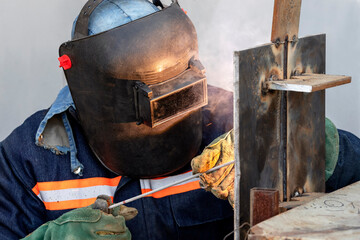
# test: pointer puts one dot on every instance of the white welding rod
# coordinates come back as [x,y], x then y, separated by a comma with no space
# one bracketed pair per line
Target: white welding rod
[170,185]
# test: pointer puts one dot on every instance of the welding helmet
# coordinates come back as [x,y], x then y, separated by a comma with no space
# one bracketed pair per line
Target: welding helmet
[137,84]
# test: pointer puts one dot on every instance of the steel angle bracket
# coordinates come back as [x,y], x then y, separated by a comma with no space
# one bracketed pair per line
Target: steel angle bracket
[279,115]
[279,136]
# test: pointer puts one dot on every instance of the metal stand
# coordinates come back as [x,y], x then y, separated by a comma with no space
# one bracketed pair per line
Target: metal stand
[280,113]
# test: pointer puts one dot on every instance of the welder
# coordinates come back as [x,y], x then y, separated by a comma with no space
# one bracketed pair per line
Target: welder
[136,110]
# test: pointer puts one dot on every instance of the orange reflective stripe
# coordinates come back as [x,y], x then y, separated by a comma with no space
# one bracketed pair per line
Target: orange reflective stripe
[174,190]
[69,194]
[77,183]
[36,190]
[70,204]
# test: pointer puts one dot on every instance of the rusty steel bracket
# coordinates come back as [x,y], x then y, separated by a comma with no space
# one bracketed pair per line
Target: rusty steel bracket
[264,204]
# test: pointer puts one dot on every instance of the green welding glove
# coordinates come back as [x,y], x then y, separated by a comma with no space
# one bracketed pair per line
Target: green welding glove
[331,148]
[93,222]
[220,182]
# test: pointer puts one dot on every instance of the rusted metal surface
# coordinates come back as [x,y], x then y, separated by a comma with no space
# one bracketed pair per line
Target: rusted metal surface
[257,118]
[307,55]
[264,204]
[286,20]
[306,120]
[333,216]
[309,82]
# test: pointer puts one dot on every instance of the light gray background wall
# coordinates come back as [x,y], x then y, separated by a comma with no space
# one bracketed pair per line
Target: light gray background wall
[31,32]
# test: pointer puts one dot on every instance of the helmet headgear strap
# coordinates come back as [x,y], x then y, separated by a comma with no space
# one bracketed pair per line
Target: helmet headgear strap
[82,23]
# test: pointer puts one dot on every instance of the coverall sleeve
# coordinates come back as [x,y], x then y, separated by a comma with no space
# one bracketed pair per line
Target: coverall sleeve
[20,209]
[347,170]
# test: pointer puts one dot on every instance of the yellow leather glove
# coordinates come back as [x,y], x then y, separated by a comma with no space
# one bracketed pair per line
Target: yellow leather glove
[220,182]
[221,150]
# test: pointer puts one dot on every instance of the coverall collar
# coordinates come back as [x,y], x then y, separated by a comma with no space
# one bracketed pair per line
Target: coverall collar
[55,133]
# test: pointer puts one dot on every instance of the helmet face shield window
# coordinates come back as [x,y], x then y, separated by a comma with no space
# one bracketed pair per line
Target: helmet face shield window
[159,103]
[140,86]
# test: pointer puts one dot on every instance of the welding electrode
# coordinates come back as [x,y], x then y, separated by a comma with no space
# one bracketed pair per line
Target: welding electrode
[170,185]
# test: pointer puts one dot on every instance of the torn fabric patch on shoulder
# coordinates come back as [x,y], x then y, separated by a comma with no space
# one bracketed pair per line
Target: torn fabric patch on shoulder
[55,133]
[51,133]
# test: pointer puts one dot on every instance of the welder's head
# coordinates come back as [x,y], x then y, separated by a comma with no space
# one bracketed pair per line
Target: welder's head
[137,84]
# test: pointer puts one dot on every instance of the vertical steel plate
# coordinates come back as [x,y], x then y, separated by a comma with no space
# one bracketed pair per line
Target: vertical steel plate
[257,118]
[306,120]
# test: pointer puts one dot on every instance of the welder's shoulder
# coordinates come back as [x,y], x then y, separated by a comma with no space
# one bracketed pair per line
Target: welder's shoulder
[24,135]
[19,150]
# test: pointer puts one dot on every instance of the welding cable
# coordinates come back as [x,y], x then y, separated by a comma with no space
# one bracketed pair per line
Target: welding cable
[170,185]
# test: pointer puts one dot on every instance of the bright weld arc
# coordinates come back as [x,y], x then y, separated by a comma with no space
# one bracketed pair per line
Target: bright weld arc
[170,185]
